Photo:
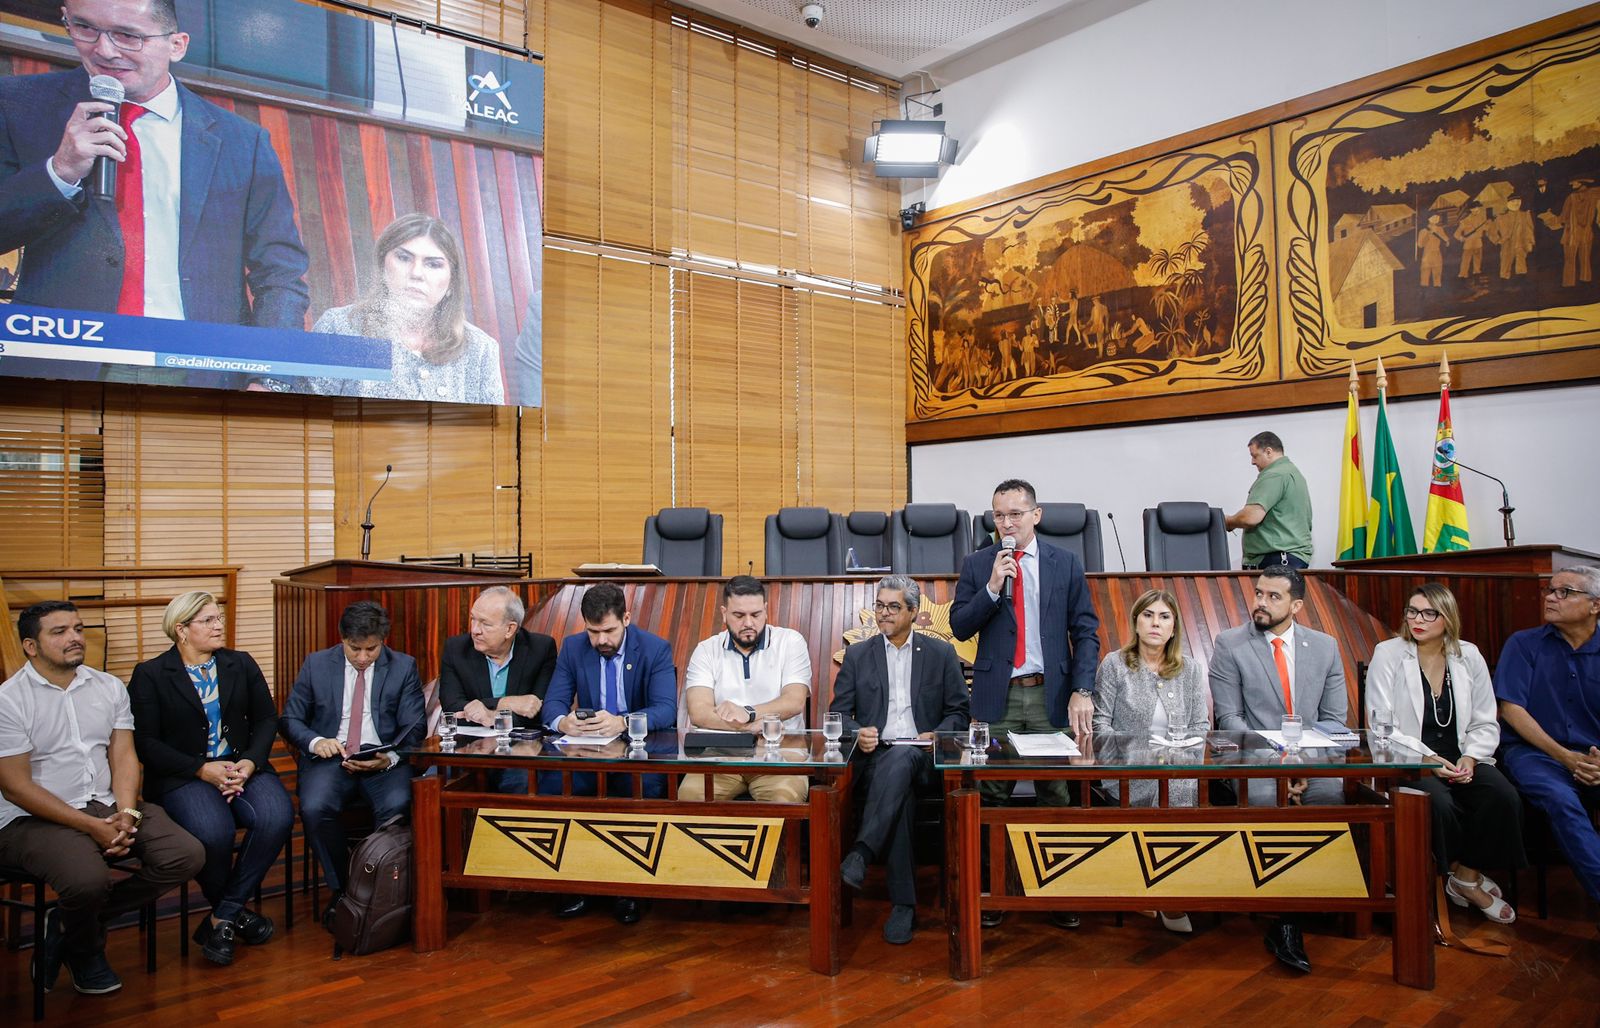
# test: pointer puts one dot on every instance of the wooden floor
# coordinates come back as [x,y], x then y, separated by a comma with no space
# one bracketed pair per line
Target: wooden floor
[708,964]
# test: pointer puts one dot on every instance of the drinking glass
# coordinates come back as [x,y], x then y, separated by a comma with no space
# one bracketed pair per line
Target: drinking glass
[1382,725]
[638,727]
[833,727]
[772,730]
[1176,735]
[1293,728]
[978,737]
[502,726]
[447,729]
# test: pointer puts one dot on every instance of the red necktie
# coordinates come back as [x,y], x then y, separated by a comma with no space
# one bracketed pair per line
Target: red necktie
[1283,674]
[1019,610]
[358,701]
[130,216]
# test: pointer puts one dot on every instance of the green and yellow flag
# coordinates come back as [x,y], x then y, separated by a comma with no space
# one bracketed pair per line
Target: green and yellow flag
[1389,531]
[1445,527]
[1352,543]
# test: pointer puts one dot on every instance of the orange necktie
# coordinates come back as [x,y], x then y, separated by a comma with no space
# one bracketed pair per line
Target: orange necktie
[1283,674]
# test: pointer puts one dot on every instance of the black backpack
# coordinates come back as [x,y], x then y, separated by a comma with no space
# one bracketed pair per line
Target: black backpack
[375,911]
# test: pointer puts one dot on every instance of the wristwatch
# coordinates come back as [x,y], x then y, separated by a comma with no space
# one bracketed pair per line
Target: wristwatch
[1084,692]
[133,813]
[752,712]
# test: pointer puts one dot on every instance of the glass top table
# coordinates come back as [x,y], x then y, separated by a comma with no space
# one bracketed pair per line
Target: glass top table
[1228,751]
[798,749]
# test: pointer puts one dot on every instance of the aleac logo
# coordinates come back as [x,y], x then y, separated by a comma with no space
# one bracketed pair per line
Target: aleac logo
[488,83]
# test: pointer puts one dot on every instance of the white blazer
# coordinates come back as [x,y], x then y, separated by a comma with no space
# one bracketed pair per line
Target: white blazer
[1394,680]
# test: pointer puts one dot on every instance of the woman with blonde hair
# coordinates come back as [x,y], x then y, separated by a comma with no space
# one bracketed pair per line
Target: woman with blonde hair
[1435,690]
[204,724]
[1147,686]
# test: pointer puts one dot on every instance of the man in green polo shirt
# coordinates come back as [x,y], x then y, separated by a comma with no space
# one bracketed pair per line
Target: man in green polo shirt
[1276,516]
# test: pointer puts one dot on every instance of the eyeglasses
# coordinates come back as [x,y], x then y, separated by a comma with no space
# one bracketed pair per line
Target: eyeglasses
[1561,592]
[1427,617]
[214,621]
[888,608]
[133,42]
[1003,516]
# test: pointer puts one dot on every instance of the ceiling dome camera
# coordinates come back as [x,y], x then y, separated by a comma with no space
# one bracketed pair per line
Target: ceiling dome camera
[812,15]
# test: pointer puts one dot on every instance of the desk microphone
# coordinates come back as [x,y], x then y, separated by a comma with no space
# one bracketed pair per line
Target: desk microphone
[102,182]
[1507,529]
[1118,537]
[1009,545]
[366,526]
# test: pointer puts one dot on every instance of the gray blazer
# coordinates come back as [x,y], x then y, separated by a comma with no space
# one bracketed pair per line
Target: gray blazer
[1246,696]
[938,692]
[1125,703]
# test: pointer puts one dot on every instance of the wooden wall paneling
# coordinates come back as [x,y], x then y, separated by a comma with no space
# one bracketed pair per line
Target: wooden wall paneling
[566,520]
[52,479]
[634,92]
[629,442]
[573,116]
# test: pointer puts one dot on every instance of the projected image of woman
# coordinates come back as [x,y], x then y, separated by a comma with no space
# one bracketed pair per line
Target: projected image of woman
[418,303]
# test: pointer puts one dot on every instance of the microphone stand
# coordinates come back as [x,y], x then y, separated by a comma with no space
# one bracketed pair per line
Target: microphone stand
[1507,529]
[366,526]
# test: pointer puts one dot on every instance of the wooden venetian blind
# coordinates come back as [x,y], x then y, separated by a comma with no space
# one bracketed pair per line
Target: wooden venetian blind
[52,476]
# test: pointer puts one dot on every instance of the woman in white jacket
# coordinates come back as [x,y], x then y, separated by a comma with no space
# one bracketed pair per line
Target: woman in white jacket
[1435,690]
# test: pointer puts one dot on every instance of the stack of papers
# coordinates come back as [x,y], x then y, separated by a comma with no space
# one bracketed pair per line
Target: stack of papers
[588,740]
[1048,744]
[1310,739]
[912,741]
[1193,740]
[476,731]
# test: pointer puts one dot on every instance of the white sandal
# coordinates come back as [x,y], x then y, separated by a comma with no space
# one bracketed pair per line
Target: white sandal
[1498,911]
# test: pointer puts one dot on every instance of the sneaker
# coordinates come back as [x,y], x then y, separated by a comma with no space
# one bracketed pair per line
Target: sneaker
[253,928]
[216,941]
[92,974]
[46,965]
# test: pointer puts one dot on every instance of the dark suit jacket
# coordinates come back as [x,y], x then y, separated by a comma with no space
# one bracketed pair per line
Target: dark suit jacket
[316,700]
[649,678]
[235,222]
[464,674]
[938,690]
[1068,631]
[170,726]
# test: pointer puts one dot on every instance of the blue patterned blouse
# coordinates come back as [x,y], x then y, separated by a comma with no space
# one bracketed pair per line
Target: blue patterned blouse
[204,677]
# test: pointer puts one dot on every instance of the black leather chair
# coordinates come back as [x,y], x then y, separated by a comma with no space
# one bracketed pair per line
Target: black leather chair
[684,542]
[867,533]
[1071,526]
[803,541]
[929,539]
[1185,536]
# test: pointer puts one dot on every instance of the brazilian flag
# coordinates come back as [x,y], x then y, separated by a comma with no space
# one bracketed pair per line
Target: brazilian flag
[1389,531]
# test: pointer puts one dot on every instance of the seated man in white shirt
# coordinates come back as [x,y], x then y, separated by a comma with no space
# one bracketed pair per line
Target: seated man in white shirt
[738,677]
[69,798]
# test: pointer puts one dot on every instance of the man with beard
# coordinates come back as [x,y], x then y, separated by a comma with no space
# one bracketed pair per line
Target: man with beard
[69,798]
[737,678]
[603,673]
[1269,668]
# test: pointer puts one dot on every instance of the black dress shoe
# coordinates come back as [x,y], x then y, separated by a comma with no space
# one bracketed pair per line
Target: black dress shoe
[853,870]
[216,941]
[572,906]
[327,911]
[901,926]
[992,918]
[46,965]
[253,928]
[626,910]
[1064,919]
[92,974]
[1284,942]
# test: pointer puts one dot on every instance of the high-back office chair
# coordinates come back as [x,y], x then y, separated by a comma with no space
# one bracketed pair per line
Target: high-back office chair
[684,542]
[867,533]
[929,539]
[1071,526]
[803,541]
[1185,536]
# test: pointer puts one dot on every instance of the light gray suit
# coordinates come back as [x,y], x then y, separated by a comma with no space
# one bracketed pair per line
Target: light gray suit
[1246,694]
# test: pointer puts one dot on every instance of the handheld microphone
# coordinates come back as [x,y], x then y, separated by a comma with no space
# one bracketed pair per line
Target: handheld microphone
[366,525]
[102,182]
[1118,537]
[1507,528]
[1009,545]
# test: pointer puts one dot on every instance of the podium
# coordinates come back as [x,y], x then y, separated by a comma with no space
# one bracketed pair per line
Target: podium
[427,603]
[1497,587]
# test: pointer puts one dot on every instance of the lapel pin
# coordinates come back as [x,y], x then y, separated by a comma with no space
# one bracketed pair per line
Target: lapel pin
[628,667]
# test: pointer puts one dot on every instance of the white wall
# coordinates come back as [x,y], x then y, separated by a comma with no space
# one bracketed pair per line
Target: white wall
[1539,441]
[1166,67]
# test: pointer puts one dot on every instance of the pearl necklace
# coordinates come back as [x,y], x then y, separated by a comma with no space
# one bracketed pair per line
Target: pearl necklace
[1450,707]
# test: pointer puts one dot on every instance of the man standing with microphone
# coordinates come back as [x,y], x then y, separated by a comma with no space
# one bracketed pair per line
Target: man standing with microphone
[1038,642]
[199,226]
